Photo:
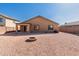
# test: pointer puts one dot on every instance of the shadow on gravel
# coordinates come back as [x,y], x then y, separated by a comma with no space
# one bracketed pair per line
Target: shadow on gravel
[77,34]
[22,34]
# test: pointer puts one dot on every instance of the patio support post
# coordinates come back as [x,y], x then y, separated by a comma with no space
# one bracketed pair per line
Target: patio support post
[16,28]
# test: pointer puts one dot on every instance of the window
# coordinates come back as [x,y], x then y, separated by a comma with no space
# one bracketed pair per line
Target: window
[50,27]
[36,27]
[1,20]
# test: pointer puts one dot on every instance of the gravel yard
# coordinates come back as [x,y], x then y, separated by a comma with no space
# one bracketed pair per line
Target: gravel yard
[54,44]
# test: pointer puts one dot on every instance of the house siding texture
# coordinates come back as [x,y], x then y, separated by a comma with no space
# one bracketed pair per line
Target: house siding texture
[43,24]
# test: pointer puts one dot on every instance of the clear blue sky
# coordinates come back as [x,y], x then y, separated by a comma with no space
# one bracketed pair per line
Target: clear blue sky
[60,13]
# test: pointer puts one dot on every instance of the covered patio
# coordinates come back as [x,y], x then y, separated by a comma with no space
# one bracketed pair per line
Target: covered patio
[23,27]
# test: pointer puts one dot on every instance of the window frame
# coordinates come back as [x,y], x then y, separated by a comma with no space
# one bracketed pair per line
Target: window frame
[1,20]
[2,23]
[36,26]
[49,27]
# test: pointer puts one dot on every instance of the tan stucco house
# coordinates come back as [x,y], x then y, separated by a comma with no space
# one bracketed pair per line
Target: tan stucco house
[7,24]
[37,24]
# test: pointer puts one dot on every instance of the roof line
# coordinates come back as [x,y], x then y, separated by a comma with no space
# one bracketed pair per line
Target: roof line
[8,17]
[38,16]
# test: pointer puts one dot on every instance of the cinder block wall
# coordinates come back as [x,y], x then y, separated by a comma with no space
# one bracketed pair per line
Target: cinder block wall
[8,29]
[70,29]
[2,29]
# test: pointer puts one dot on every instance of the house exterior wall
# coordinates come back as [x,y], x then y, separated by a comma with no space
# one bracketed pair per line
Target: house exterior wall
[43,24]
[70,29]
[10,25]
